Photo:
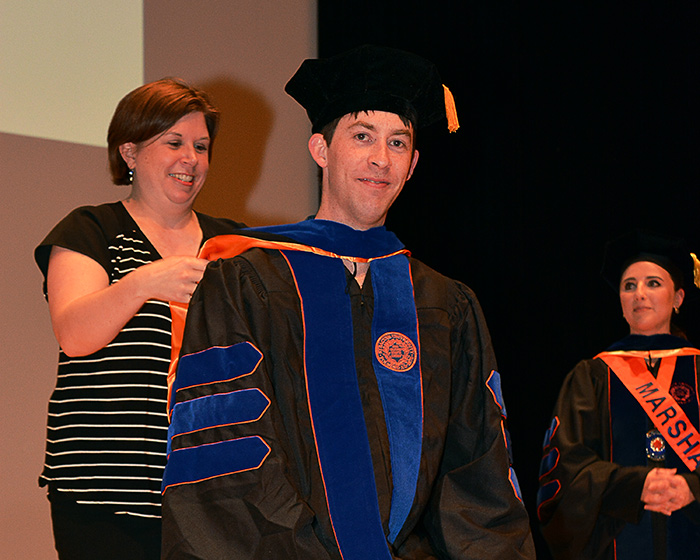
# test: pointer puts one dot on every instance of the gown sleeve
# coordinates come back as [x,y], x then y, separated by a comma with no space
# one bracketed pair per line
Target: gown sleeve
[266,495]
[476,511]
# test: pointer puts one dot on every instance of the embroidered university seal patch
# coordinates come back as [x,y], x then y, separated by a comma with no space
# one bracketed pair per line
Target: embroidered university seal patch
[682,392]
[656,445]
[395,351]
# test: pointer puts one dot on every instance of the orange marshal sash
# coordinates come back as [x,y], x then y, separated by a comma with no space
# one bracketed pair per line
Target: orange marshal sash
[653,396]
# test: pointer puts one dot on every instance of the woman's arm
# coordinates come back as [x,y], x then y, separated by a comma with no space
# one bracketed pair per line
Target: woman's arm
[87,312]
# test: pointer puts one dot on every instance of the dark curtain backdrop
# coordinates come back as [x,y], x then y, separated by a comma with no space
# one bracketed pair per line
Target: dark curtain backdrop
[578,122]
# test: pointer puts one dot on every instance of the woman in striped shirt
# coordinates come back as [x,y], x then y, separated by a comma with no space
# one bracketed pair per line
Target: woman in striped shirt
[109,272]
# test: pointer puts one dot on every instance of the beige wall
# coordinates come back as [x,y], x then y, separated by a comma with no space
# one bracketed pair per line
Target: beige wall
[242,52]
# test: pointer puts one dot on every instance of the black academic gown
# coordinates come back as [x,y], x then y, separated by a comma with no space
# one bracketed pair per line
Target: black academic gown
[465,503]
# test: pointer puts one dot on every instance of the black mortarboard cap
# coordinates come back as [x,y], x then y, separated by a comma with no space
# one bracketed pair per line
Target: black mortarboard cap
[670,253]
[371,78]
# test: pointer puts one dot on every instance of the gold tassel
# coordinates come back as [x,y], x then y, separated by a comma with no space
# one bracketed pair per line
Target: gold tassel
[450,110]
[696,270]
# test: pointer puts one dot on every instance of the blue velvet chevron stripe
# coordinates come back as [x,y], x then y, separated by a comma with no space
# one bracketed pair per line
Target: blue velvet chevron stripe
[545,493]
[395,312]
[494,385]
[214,365]
[238,407]
[336,408]
[194,464]
[549,460]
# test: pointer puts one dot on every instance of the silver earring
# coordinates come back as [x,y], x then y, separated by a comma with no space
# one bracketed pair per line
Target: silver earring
[131,175]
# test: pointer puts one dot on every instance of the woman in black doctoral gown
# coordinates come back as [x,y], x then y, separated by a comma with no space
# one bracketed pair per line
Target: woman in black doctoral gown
[619,475]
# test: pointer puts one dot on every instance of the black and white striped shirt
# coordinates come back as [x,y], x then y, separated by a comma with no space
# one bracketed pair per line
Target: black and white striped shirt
[107,420]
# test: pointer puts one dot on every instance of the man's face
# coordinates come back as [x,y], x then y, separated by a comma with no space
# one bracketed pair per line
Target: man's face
[365,167]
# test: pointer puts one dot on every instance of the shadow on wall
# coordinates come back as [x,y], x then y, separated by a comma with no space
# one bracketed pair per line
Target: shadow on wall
[237,159]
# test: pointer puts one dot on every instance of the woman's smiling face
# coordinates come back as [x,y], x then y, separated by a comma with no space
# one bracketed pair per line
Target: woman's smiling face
[174,164]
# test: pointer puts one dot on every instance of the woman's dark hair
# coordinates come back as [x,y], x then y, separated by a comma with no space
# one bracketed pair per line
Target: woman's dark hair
[150,110]
[670,253]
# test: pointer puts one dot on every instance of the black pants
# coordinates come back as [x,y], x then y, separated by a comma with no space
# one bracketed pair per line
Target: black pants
[85,532]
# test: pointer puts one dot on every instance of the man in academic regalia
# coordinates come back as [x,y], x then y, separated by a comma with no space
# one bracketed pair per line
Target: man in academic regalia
[335,397]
